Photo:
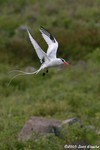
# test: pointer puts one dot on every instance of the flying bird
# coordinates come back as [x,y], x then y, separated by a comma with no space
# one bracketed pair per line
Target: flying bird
[48,59]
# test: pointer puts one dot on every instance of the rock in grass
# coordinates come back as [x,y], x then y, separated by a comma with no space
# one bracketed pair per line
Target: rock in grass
[38,125]
[43,126]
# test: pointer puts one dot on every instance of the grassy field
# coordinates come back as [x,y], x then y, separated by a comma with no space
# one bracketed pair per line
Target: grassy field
[73,91]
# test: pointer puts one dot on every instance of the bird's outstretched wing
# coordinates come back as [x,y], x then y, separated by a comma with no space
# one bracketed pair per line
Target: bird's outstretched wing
[41,54]
[51,41]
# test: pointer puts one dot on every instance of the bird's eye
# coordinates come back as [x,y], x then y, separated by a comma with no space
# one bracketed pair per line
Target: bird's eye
[62,60]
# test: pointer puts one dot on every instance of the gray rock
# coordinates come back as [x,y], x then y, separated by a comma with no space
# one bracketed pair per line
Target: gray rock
[43,126]
[22,28]
[38,125]
[70,121]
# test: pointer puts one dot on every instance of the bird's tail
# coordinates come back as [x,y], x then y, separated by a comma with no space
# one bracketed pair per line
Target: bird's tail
[20,73]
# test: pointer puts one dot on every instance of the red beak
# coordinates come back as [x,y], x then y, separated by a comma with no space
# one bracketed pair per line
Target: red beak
[66,63]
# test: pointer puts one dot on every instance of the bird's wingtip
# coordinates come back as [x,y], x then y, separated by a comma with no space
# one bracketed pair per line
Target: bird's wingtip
[41,27]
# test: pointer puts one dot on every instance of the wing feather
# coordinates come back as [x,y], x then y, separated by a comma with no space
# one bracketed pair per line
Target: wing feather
[51,42]
[40,53]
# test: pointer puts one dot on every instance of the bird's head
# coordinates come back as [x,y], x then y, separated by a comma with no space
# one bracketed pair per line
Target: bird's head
[64,62]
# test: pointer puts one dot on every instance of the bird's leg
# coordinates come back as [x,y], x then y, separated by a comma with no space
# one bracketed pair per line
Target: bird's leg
[46,70]
[43,74]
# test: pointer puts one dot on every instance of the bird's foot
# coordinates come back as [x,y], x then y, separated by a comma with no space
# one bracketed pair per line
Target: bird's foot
[43,74]
[47,71]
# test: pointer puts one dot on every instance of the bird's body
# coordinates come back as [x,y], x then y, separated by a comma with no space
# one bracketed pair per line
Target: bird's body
[47,64]
[48,59]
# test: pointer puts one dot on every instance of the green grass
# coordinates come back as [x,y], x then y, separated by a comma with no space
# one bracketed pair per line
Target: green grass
[72,92]
[74,24]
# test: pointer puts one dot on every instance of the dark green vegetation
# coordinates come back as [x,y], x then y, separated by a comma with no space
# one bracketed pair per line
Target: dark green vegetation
[72,92]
